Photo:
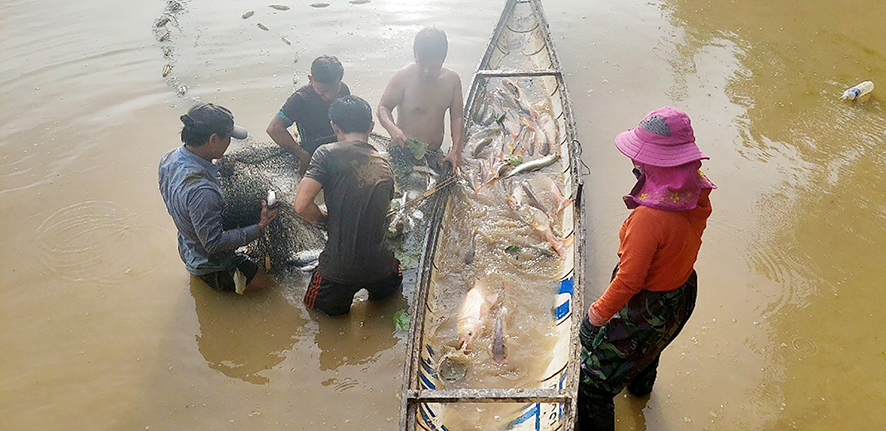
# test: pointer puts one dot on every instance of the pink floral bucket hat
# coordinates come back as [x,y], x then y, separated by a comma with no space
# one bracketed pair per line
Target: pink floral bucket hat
[664,138]
[663,150]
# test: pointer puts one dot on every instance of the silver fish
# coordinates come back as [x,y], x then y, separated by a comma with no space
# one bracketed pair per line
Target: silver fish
[530,197]
[167,69]
[248,14]
[475,152]
[499,337]
[469,255]
[262,26]
[285,40]
[551,131]
[531,166]
[306,260]
[279,7]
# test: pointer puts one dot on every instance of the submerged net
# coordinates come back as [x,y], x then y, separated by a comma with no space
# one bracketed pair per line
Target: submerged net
[250,171]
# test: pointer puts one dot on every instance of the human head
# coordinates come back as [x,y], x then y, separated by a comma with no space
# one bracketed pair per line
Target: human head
[664,138]
[210,124]
[351,114]
[430,48]
[325,77]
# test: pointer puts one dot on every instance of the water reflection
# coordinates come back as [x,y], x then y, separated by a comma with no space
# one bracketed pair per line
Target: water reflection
[244,336]
[357,338]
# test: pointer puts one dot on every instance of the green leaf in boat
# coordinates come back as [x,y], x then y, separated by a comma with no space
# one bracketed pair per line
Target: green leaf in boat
[513,248]
[401,320]
[417,147]
[514,160]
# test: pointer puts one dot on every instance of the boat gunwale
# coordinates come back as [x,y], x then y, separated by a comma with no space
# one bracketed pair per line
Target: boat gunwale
[411,397]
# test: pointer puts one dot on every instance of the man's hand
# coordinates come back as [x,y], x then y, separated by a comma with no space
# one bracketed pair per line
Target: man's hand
[398,137]
[454,158]
[267,215]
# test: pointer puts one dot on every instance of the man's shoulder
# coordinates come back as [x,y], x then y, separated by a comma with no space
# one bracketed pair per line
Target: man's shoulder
[449,76]
[302,94]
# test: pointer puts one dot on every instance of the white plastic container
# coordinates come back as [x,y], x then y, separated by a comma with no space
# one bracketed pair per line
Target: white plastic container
[858,91]
[272,199]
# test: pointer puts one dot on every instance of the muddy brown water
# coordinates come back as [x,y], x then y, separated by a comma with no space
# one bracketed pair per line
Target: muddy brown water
[102,329]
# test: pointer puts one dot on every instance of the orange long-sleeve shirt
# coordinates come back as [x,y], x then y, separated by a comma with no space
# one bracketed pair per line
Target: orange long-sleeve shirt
[656,252]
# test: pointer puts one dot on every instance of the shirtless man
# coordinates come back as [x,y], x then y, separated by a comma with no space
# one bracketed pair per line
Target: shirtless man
[422,92]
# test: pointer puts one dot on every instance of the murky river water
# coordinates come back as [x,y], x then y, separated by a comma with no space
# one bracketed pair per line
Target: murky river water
[101,329]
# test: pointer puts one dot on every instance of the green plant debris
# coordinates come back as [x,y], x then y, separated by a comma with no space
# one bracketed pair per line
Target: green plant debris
[401,320]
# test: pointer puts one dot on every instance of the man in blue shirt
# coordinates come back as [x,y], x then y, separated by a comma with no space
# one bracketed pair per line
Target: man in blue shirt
[190,188]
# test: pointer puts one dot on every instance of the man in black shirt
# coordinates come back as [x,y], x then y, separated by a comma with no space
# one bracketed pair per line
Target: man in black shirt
[358,186]
[308,108]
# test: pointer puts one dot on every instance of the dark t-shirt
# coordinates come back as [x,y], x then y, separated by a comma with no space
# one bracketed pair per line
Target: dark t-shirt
[358,185]
[310,114]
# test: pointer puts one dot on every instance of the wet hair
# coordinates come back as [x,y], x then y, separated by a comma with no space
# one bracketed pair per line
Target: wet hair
[327,70]
[203,120]
[351,114]
[430,44]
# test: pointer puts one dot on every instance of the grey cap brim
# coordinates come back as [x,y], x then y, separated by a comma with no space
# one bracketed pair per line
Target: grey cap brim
[239,132]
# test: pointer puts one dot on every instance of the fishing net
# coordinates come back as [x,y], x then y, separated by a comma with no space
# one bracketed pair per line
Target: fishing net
[251,170]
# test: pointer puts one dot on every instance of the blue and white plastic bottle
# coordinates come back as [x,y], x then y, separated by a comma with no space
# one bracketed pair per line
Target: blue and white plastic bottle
[858,91]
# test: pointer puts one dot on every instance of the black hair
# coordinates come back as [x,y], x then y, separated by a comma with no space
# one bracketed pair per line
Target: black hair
[430,44]
[203,120]
[327,70]
[351,114]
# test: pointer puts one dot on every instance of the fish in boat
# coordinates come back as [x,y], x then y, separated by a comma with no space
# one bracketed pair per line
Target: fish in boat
[530,197]
[530,166]
[541,140]
[262,26]
[562,201]
[279,7]
[550,130]
[519,98]
[469,255]
[499,337]
[249,14]
[538,220]
[472,315]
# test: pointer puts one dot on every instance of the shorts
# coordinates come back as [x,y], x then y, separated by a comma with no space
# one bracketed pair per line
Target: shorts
[234,279]
[335,299]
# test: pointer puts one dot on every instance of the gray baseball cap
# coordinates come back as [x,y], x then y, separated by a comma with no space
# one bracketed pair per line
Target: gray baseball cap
[214,119]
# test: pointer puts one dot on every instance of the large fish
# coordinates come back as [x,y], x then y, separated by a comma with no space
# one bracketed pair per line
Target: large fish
[538,220]
[472,315]
[499,337]
[530,166]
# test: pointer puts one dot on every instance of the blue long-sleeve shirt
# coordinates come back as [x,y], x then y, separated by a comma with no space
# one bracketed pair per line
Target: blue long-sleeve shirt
[190,188]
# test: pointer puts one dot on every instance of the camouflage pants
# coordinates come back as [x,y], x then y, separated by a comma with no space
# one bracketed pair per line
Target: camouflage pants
[625,351]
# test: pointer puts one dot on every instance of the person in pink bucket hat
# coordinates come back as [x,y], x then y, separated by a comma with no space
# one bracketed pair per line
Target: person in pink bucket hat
[654,285]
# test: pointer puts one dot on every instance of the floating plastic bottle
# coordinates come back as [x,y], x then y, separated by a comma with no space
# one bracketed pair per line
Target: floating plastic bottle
[858,91]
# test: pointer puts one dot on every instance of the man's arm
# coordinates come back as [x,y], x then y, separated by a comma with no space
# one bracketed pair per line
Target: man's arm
[205,208]
[278,132]
[304,204]
[392,97]
[456,124]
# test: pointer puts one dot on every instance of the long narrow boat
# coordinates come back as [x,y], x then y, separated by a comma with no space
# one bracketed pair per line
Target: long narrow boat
[477,238]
